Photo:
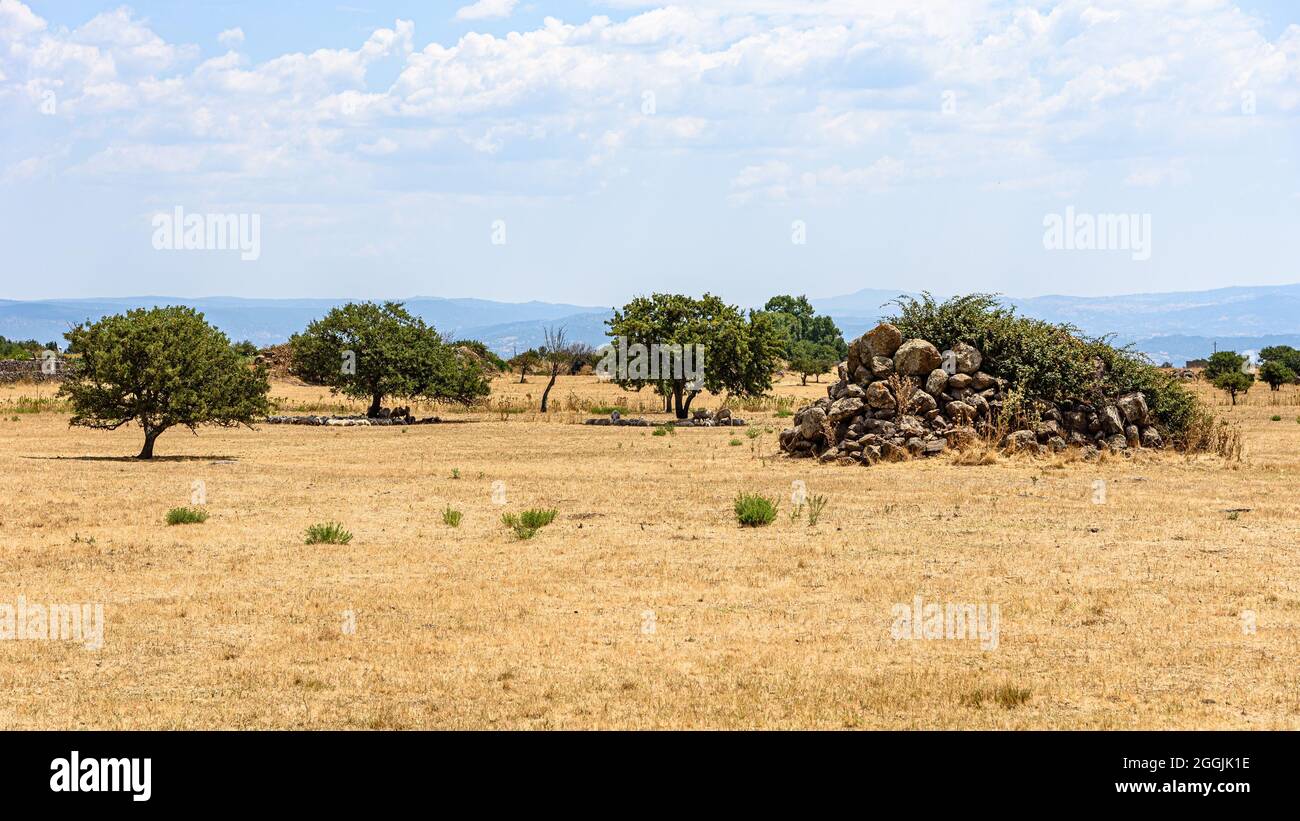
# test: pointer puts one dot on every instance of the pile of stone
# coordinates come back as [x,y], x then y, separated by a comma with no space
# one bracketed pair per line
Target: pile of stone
[386,417]
[700,418]
[949,402]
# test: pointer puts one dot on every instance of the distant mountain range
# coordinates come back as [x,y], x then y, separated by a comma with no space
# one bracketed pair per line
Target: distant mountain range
[1172,327]
[1169,327]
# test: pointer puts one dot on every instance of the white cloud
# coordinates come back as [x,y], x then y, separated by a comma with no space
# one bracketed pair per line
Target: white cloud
[231,38]
[484,9]
[814,98]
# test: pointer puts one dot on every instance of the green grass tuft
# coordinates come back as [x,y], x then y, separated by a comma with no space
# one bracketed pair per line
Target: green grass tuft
[328,533]
[526,524]
[186,516]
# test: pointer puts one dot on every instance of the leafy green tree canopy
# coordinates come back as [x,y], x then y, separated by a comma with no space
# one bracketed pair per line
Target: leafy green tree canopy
[1276,374]
[739,352]
[161,367]
[1282,354]
[1222,362]
[369,351]
[798,322]
[810,358]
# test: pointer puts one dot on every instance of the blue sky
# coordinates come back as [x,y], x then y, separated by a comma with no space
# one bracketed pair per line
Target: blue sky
[381,145]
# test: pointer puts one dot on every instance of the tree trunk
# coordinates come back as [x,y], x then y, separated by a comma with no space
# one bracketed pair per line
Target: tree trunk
[805,379]
[150,436]
[668,403]
[523,372]
[554,372]
[689,398]
[375,405]
[677,401]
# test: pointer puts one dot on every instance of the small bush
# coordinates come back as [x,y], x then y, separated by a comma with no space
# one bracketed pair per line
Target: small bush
[664,430]
[1276,418]
[526,524]
[328,533]
[753,510]
[734,442]
[186,516]
[451,517]
[782,413]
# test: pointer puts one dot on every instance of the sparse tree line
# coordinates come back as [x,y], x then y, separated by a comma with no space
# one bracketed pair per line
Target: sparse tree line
[167,367]
[1230,372]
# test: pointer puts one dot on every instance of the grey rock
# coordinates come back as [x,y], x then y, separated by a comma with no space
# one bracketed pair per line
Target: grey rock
[812,422]
[845,408]
[1151,438]
[1111,421]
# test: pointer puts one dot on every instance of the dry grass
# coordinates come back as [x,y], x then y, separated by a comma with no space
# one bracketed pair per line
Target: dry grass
[643,604]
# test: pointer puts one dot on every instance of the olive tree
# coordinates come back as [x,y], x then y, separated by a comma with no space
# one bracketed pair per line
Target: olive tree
[162,368]
[1225,370]
[369,351]
[659,341]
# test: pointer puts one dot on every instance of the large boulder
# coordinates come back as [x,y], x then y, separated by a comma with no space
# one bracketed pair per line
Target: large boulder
[981,381]
[1151,438]
[1112,423]
[916,357]
[845,408]
[811,423]
[881,367]
[923,402]
[1134,407]
[967,357]
[882,340]
[959,382]
[1020,440]
[879,397]
[937,382]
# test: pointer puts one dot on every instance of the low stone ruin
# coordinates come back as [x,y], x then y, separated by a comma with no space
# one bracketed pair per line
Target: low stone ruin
[948,402]
[385,418]
[34,370]
[700,418]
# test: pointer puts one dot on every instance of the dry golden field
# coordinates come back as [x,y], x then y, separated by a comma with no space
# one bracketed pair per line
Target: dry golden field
[643,605]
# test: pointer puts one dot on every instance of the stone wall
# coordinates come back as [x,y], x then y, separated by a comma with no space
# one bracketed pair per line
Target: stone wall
[30,370]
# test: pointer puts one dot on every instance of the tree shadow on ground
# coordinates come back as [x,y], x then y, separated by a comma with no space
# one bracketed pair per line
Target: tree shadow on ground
[134,459]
